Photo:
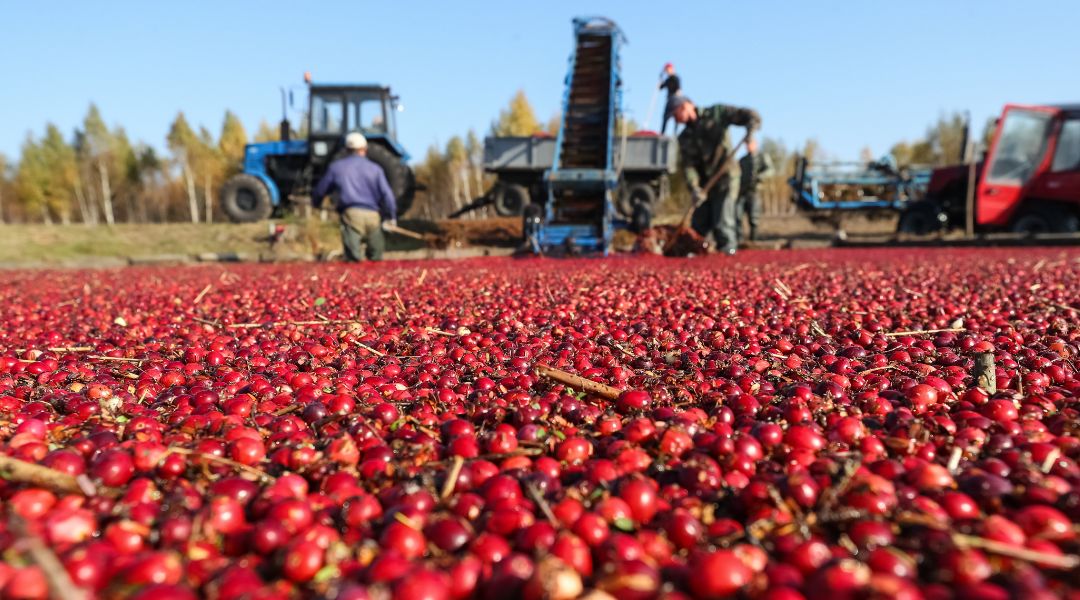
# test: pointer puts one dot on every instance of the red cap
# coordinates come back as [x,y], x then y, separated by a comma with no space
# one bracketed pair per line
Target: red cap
[668,66]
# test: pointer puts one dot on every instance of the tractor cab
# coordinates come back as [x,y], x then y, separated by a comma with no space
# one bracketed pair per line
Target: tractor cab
[1032,178]
[277,173]
[1029,181]
[335,110]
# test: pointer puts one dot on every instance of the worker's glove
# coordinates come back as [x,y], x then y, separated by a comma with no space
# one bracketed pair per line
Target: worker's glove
[697,195]
[389,224]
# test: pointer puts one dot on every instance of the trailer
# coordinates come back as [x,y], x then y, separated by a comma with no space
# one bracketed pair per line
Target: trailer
[847,186]
[519,164]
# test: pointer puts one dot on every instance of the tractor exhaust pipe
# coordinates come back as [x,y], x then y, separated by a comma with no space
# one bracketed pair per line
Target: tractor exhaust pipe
[285,128]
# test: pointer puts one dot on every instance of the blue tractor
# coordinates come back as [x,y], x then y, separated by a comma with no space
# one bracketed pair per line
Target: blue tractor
[274,174]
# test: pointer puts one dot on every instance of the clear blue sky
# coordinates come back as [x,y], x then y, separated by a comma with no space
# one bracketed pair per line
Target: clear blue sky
[851,74]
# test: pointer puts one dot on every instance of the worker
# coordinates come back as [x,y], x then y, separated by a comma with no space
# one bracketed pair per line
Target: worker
[670,81]
[704,147]
[365,202]
[754,167]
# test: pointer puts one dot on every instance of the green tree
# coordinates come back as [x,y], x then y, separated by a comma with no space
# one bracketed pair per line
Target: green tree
[183,143]
[434,174]
[98,151]
[553,124]
[210,164]
[46,175]
[517,119]
[231,142]
[5,185]
[942,144]
[267,133]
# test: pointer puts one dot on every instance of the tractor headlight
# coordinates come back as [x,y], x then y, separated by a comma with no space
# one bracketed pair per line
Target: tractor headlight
[319,148]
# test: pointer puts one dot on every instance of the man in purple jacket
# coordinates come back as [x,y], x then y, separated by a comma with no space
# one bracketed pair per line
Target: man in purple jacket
[365,201]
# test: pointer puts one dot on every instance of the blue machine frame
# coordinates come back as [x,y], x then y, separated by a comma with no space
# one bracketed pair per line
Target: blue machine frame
[810,193]
[585,235]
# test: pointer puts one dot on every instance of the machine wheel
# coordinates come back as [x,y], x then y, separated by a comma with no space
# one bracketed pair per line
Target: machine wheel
[636,194]
[1046,219]
[511,199]
[245,199]
[921,219]
[398,174]
[641,218]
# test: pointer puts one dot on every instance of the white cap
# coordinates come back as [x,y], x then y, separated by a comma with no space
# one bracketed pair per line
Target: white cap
[355,141]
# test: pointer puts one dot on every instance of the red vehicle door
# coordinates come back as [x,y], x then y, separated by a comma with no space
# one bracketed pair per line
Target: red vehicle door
[1018,153]
[1061,182]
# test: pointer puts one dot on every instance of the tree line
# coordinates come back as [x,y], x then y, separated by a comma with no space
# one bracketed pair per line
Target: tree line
[98,175]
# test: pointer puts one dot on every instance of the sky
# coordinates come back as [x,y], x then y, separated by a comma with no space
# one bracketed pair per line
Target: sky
[849,74]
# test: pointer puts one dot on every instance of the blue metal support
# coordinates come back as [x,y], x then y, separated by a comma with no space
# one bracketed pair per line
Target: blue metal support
[592,226]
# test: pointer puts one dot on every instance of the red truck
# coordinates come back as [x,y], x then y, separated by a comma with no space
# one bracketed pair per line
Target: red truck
[1032,183]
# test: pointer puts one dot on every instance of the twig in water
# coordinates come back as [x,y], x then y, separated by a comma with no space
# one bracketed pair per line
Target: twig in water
[20,471]
[1063,562]
[579,383]
[370,349]
[925,331]
[204,292]
[452,477]
[60,584]
[259,473]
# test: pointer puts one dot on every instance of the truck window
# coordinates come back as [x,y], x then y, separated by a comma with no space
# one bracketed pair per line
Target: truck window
[1067,154]
[1020,147]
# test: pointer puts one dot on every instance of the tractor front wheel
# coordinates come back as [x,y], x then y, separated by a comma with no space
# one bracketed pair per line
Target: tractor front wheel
[245,199]
[922,218]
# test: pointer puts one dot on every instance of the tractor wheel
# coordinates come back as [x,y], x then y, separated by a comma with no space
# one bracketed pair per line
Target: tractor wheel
[920,219]
[398,174]
[511,199]
[1046,219]
[634,195]
[245,199]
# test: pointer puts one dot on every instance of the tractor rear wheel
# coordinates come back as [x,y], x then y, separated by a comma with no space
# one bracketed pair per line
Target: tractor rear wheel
[1046,219]
[398,175]
[511,199]
[245,199]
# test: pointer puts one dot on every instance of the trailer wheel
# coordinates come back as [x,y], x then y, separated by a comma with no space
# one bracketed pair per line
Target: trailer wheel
[511,199]
[245,199]
[642,217]
[1046,219]
[921,219]
[634,195]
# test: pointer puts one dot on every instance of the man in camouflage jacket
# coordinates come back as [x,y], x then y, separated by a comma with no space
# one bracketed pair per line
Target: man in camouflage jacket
[704,146]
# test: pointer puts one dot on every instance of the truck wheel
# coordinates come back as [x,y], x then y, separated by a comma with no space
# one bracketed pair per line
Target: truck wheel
[638,193]
[398,174]
[245,199]
[920,219]
[511,200]
[1046,219]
